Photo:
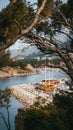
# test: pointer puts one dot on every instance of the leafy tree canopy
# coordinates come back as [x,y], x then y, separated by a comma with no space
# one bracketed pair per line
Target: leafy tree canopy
[55,116]
[19,19]
[21,13]
[5,96]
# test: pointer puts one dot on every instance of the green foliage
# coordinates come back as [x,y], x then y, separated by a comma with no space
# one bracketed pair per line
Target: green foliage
[5,97]
[5,59]
[35,119]
[43,27]
[47,10]
[21,64]
[67,10]
[58,3]
[64,101]
[55,116]
[39,102]
[20,11]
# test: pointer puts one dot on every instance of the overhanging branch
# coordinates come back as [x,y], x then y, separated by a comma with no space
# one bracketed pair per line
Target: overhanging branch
[58,66]
[2,116]
[25,31]
[18,24]
[35,19]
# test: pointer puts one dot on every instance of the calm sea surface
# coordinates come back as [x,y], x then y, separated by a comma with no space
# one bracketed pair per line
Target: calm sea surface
[8,82]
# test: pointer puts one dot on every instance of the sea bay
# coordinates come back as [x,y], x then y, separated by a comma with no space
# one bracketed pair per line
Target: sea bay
[12,81]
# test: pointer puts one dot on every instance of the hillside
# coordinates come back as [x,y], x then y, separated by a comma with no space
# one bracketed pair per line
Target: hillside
[11,71]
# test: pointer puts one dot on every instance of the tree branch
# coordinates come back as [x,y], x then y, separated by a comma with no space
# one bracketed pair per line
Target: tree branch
[64,33]
[65,20]
[43,45]
[2,116]
[7,10]
[8,117]
[6,32]
[25,31]
[17,23]
[70,58]
[36,18]
[58,66]
[57,10]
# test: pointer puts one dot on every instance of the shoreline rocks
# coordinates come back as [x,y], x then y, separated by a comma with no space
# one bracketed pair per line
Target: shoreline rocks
[7,72]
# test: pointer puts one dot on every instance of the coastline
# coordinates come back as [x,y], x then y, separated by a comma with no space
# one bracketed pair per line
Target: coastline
[27,94]
[7,72]
[17,75]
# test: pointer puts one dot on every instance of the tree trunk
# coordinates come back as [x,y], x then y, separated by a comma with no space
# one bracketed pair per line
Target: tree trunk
[13,1]
[9,126]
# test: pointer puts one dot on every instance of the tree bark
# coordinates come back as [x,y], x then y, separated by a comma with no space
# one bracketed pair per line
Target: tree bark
[23,31]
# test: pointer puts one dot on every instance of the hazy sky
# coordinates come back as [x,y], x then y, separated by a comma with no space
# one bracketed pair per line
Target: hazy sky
[3,3]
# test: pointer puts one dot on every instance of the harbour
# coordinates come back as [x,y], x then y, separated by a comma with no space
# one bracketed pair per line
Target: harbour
[27,94]
[46,89]
[21,81]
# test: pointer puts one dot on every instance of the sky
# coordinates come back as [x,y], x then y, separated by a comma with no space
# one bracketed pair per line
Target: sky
[3,3]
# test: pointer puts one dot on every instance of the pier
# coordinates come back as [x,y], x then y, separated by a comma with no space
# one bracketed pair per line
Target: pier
[27,94]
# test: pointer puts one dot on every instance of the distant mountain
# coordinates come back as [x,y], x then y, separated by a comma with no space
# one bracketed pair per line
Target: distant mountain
[22,50]
[25,51]
[28,57]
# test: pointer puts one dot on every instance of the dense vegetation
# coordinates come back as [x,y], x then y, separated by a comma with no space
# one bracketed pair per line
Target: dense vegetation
[19,19]
[40,27]
[5,96]
[19,12]
[54,116]
[5,60]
